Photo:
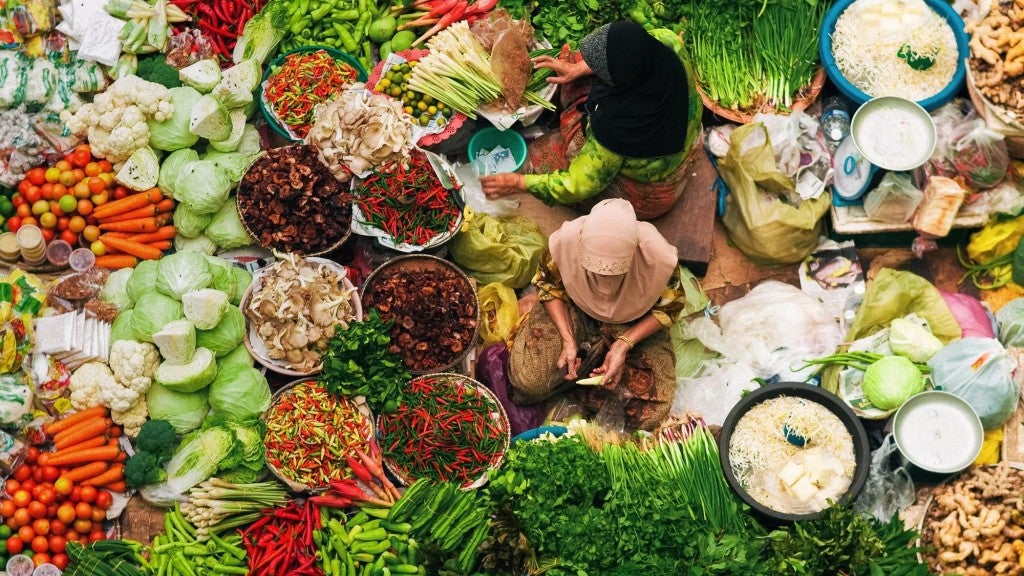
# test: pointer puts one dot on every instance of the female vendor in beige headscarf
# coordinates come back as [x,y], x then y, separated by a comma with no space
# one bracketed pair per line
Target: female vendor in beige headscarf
[608,287]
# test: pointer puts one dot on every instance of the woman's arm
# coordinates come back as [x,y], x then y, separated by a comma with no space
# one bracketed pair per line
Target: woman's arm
[615,359]
[559,314]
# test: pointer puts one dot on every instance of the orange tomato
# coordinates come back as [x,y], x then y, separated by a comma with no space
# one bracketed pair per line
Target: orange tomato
[81,190]
[79,174]
[76,224]
[83,511]
[33,194]
[11,486]
[105,166]
[55,209]
[24,185]
[21,517]
[29,221]
[57,544]
[24,210]
[7,508]
[96,185]
[60,561]
[84,206]
[47,496]
[50,473]
[26,534]
[92,169]
[62,223]
[59,191]
[36,509]
[67,178]
[52,174]
[104,500]
[46,191]
[91,233]
[69,237]
[81,157]
[41,526]
[14,545]
[83,526]
[100,198]
[58,527]
[98,515]
[21,498]
[88,494]
[40,558]
[108,178]
[66,513]
[63,166]
[37,176]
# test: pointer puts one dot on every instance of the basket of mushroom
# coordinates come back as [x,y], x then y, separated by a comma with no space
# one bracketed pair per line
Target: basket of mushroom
[292,309]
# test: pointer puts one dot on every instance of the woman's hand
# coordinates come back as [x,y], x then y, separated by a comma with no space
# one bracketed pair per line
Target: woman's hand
[569,358]
[614,365]
[498,185]
[565,72]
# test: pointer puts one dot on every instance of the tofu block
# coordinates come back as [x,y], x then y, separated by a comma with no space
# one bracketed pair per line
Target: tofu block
[803,490]
[791,473]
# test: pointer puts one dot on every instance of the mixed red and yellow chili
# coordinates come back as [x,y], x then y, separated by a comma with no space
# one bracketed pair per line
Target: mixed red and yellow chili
[304,80]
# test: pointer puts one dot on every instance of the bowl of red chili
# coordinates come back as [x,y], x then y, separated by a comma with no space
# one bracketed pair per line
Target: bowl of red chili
[296,81]
[448,428]
[309,433]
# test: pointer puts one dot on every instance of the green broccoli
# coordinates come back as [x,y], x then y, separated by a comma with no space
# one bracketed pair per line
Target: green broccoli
[143,468]
[157,438]
[156,69]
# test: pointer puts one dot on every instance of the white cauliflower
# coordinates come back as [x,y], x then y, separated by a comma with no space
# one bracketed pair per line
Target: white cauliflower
[133,364]
[88,384]
[132,419]
[115,122]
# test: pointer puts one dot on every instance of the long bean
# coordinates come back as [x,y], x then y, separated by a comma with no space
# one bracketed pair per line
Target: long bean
[859,360]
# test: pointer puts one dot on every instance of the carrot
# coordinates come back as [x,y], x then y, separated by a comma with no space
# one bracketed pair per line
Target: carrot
[90,443]
[150,224]
[72,419]
[116,261]
[151,196]
[164,233]
[118,234]
[161,245]
[115,474]
[82,431]
[86,471]
[134,248]
[121,457]
[104,453]
[165,205]
[121,486]
[115,431]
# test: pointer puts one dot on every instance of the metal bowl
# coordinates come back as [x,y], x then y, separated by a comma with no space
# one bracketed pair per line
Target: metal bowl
[861,449]
[296,486]
[938,432]
[255,344]
[420,262]
[893,133]
[408,478]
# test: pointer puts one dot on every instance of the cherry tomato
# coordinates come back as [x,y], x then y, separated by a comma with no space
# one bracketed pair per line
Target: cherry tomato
[88,494]
[24,185]
[76,494]
[50,473]
[11,486]
[63,486]
[40,558]
[14,545]
[13,223]
[96,185]
[98,515]
[96,536]
[66,513]
[69,237]
[21,497]
[26,534]
[57,544]
[58,527]
[60,561]
[83,526]
[36,509]
[37,176]
[7,508]
[37,474]
[81,158]
[47,496]
[41,526]
[22,473]
[46,191]
[32,454]
[104,500]
[92,169]
[83,511]
[120,192]
[17,200]
[33,194]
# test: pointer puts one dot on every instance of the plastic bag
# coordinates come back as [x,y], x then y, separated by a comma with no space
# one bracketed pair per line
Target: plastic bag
[491,370]
[894,200]
[499,312]
[504,250]
[1011,323]
[887,490]
[978,370]
[975,321]
[763,226]
[979,154]
[997,238]
[938,209]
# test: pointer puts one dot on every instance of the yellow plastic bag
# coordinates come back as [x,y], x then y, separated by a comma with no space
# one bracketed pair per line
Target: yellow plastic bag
[505,249]
[499,312]
[760,223]
[990,448]
[997,238]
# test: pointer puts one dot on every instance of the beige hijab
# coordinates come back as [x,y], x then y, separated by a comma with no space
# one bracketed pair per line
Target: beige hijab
[612,266]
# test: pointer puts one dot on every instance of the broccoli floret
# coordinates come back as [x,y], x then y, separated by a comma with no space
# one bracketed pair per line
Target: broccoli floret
[156,69]
[157,438]
[143,468]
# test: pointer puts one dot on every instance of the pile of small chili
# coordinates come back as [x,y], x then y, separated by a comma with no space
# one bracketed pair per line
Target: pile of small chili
[222,21]
[407,202]
[311,432]
[446,429]
[281,542]
[304,80]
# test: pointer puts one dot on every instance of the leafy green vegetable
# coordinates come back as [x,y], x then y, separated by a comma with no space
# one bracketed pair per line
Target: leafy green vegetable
[357,363]
[239,392]
[142,280]
[203,186]
[185,411]
[182,272]
[205,308]
[151,313]
[226,229]
[143,468]
[172,134]
[240,355]
[191,377]
[121,329]
[155,68]
[891,381]
[188,223]
[199,456]
[176,341]
[226,335]
[223,278]
[911,340]
[169,168]
[156,437]
[115,290]
[262,33]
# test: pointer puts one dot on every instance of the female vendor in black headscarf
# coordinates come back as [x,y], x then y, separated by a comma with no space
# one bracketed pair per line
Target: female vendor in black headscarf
[631,135]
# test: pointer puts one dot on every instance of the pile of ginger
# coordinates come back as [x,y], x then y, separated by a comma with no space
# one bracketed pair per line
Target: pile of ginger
[975,525]
[997,54]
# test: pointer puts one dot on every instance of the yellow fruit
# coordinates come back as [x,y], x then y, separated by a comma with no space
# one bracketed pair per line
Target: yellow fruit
[98,248]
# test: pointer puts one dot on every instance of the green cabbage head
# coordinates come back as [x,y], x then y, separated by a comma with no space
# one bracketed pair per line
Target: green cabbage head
[891,381]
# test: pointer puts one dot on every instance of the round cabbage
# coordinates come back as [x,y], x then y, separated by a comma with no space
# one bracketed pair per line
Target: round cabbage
[151,313]
[223,279]
[226,229]
[173,134]
[226,335]
[115,290]
[195,375]
[184,410]
[1011,323]
[142,280]
[121,329]
[203,186]
[889,382]
[182,272]
[239,392]
[188,223]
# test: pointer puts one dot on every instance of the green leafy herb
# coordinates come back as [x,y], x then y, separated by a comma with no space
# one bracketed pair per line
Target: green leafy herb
[358,363]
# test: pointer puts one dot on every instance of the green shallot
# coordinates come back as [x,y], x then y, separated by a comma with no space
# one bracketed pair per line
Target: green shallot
[215,505]
[858,360]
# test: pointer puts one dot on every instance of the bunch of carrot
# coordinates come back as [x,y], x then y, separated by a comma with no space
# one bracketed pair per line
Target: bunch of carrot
[86,449]
[136,227]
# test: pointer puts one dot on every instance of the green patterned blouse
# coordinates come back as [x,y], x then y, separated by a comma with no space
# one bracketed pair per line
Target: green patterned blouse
[594,168]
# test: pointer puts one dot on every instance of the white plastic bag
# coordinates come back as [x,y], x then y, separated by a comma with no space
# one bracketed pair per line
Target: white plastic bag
[894,200]
[978,370]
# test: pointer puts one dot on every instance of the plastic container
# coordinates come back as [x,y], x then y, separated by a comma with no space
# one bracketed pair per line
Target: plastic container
[835,121]
[853,173]
[9,249]
[81,259]
[938,432]
[490,138]
[58,252]
[20,565]
[893,133]
[852,93]
[276,63]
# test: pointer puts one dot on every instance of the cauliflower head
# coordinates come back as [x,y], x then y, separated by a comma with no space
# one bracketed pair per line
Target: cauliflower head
[132,419]
[133,364]
[88,383]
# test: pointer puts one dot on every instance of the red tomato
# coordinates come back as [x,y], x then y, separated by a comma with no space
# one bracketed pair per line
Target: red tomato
[15,545]
[37,474]
[57,544]
[13,223]
[81,158]
[40,558]
[88,494]
[36,509]
[57,527]
[47,496]
[24,185]
[76,494]
[83,511]
[48,234]
[17,200]
[60,561]
[21,498]
[104,500]
[33,194]
[22,473]
[32,454]
[7,508]
[69,237]
[46,191]
[50,473]
[11,486]
[37,176]
[96,536]
[120,192]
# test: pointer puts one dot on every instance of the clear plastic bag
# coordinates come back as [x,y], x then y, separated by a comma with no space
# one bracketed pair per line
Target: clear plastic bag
[887,490]
[980,154]
[894,200]
[978,370]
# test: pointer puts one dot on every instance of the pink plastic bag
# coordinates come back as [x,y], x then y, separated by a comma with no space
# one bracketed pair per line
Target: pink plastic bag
[974,319]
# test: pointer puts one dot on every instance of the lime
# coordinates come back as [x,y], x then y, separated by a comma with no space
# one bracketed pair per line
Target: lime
[424,120]
[5,531]
[68,203]
[6,208]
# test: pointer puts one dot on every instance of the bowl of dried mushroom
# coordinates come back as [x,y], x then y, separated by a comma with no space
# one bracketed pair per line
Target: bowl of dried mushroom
[292,309]
[434,308]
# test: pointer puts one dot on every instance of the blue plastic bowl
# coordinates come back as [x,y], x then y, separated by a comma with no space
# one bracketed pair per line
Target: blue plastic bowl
[852,93]
[491,138]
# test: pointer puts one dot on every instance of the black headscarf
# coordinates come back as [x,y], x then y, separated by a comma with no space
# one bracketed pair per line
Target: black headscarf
[639,103]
